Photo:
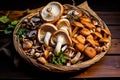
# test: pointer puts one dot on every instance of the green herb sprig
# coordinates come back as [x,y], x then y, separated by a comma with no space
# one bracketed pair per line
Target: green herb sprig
[60,59]
[10,25]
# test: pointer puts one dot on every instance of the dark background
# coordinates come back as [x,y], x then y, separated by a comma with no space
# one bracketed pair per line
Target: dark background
[97,5]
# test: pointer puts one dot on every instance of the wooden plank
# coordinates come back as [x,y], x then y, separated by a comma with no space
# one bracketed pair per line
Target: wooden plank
[115,47]
[115,31]
[110,18]
[109,66]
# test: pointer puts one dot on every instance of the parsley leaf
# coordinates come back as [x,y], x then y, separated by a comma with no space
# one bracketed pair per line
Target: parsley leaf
[60,59]
[4,19]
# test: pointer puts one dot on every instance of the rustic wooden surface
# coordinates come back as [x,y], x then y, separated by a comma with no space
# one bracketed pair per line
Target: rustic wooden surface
[108,66]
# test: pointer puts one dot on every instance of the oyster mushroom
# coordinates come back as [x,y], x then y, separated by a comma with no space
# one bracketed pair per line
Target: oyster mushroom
[52,12]
[60,37]
[64,24]
[45,31]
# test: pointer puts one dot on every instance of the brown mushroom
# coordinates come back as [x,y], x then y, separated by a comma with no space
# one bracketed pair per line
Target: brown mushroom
[77,26]
[60,37]
[93,42]
[85,32]
[97,34]
[88,24]
[52,12]
[81,39]
[106,40]
[106,31]
[45,31]
[80,46]
[42,60]
[90,52]
[27,44]
[85,18]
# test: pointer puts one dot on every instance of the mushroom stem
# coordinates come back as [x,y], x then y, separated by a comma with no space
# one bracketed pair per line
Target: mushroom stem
[49,10]
[47,38]
[60,40]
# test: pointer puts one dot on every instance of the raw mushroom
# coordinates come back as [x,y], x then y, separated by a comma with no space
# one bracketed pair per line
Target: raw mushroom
[64,24]
[60,37]
[76,58]
[52,12]
[45,31]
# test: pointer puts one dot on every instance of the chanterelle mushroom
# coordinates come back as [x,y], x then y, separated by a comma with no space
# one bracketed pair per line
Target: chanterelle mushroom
[64,24]
[60,37]
[52,12]
[45,31]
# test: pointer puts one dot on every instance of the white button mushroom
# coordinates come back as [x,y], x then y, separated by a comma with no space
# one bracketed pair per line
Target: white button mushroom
[52,12]
[44,33]
[60,37]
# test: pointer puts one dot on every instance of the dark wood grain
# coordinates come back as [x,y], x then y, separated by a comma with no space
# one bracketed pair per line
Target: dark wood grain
[115,47]
[110,18]
[109,66]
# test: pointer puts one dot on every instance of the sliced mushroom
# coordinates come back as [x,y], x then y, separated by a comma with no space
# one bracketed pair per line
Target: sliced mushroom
[64,24]
[76,58]
[45,31]
[52,12]
[60,37]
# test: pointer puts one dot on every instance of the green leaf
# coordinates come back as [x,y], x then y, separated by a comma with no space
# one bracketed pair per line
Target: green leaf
[14,23]
[4,19]
[6,31]
[21,31]
[10,26]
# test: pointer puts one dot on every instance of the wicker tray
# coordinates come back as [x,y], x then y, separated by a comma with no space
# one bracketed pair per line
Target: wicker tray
[58,68]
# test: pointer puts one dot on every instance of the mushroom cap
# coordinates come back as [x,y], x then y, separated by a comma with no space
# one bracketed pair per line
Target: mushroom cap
[98,34]
[106,40]
[64,24]
[106,31]
[46,27]
[67,39]
[90,52]
[85,32]
[77,24]
[54,13]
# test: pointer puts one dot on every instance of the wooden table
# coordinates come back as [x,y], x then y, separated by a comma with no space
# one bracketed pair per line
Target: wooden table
[108,66]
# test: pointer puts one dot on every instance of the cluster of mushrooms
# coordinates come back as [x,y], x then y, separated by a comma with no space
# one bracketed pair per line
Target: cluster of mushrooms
[63,29]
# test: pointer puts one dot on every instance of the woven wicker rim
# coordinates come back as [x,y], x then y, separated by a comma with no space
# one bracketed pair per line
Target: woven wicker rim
[56,68]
